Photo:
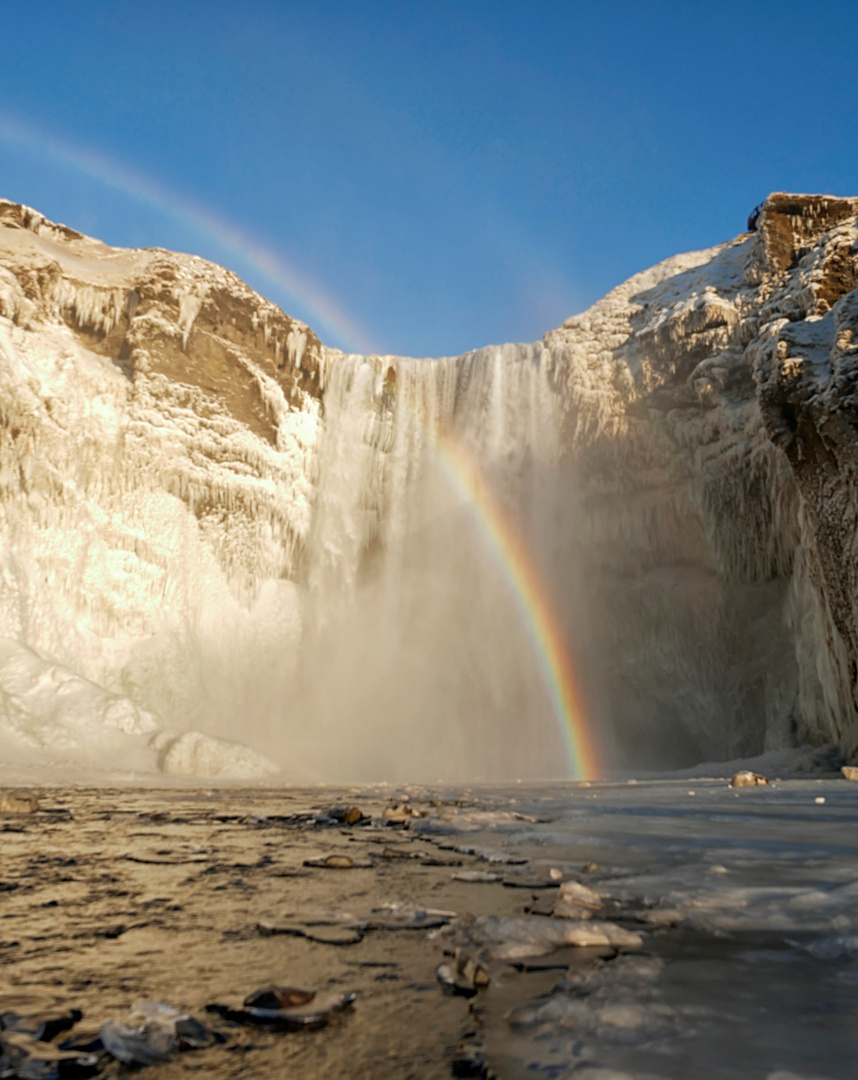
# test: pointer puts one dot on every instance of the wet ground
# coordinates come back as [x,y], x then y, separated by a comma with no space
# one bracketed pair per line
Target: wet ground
[732,917]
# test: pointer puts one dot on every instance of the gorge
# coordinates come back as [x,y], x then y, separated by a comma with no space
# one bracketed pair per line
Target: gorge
[228,549]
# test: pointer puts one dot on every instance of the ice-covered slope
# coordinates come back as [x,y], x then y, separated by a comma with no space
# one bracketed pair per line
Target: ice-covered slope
[155,415]
[712,396]
[219,526]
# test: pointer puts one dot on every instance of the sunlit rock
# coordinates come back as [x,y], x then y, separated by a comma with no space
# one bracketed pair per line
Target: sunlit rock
[748,778]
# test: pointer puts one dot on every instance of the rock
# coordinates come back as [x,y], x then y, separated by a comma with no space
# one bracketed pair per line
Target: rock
[576,901]
[850,772]
[286,1008]
[139,1045]
[154,1032]
[392,853]
[469,1061]
[42,1027]
[528,881]
[463,977]
[279,997]
[18,803]
[189,1033]
[747,778]
[23,1056]
[338,862]
[346,815]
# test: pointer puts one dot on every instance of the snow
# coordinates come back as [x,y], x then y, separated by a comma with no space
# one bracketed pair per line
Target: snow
[195,754]
[299,576]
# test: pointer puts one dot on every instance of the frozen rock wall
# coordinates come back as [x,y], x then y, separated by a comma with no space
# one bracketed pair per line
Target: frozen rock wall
[708,399]
[239,533]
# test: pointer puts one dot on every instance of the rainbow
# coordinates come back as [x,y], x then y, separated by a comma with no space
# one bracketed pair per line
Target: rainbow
[534,606]
[298,287]
[499,533]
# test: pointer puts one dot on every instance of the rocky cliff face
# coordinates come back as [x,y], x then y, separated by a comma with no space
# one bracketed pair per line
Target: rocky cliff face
[155,417]
[714,390]
[212,523]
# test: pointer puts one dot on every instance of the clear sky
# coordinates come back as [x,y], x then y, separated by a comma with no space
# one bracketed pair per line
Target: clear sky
[425,178]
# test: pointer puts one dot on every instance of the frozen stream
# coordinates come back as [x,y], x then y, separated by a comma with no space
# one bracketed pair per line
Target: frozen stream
[723,924]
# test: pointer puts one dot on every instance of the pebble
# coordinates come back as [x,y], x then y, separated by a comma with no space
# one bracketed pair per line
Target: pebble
[748,778]
[464,976]
[850,772]
[338,862]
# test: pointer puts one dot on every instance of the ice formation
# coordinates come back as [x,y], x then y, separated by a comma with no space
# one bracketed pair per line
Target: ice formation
[216,529]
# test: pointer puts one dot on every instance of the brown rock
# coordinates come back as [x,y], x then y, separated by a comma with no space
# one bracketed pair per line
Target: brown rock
[338,862]
[850,772]
[747,778]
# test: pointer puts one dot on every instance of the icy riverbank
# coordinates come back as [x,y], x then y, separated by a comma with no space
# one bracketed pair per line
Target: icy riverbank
[725,940]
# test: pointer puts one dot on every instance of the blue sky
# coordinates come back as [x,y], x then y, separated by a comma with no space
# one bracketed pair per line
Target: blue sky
[442,175]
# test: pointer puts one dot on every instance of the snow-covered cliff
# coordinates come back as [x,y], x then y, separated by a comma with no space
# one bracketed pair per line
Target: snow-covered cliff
[213,525]
[709,397]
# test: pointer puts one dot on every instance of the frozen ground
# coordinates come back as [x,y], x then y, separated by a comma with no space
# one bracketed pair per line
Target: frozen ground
[723,923]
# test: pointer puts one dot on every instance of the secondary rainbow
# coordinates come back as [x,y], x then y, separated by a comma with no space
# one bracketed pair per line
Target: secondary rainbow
[499,533]
[534,606]
[297,285]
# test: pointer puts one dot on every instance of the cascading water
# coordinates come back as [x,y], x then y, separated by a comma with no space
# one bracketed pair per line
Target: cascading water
[415,660]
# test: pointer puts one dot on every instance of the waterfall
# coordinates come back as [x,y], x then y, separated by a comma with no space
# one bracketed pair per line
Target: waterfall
[415,661]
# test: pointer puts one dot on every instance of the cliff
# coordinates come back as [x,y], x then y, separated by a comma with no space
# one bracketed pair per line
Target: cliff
[713,390]
[213,523]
